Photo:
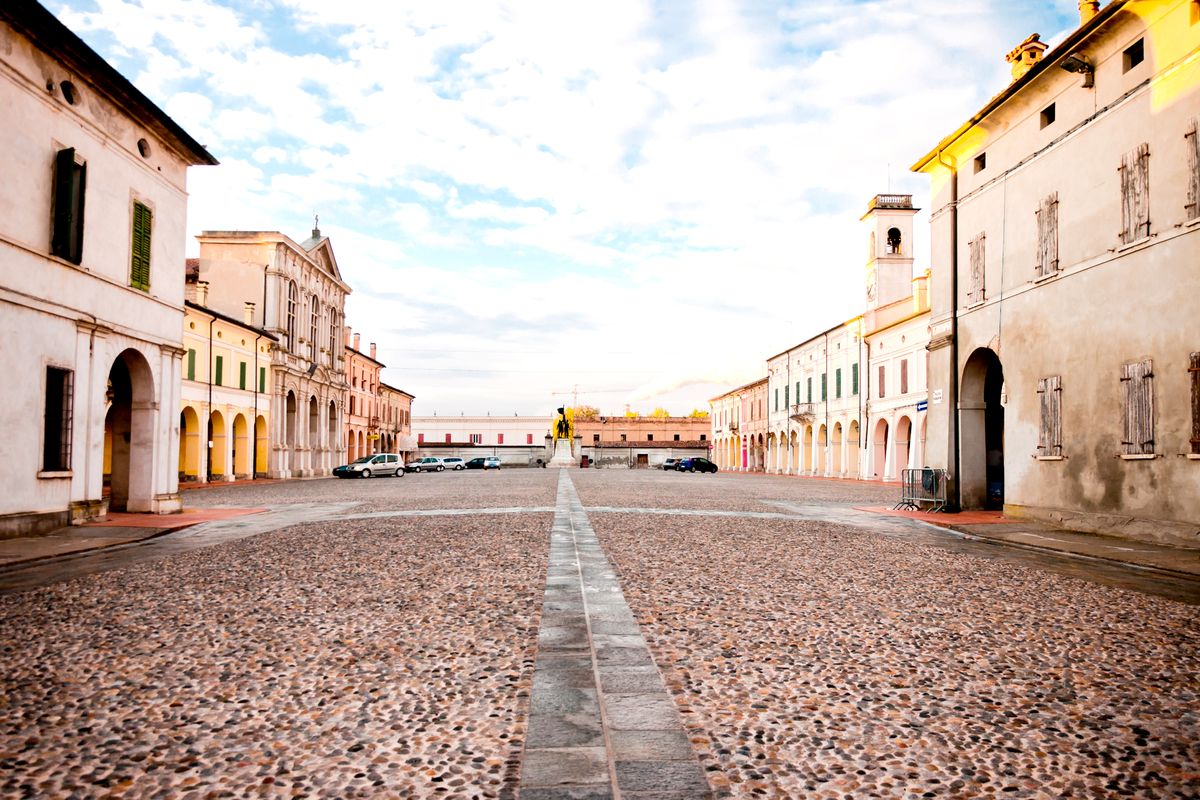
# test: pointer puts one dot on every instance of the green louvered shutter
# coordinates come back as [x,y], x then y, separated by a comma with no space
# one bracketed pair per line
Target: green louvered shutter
[191,369]
[139,272]
[219,371]
[241,374]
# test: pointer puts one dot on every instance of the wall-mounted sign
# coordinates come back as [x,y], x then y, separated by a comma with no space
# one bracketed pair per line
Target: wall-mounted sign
[922,405]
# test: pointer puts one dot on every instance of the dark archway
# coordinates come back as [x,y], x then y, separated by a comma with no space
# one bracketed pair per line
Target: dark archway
[129,434]
[314,434]
[289,432]
[981,421]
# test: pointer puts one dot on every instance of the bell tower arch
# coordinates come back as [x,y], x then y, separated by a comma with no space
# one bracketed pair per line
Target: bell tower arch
[889,225]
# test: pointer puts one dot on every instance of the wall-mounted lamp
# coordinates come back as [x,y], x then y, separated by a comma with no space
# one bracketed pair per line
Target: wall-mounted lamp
[1079,64]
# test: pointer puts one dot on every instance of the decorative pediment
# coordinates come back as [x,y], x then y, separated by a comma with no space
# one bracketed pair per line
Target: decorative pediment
[322,255]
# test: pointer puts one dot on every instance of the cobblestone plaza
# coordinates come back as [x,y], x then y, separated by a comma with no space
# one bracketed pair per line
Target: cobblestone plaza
[588,634]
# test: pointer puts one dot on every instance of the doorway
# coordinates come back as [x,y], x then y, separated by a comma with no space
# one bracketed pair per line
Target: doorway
[129,433]
[981,423]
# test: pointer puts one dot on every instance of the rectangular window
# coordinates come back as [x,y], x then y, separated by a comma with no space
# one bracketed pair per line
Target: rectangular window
[219,371]
[1137,379]
[1050,433]
[980,163]
[1133,55]
[854,379]
[776,399]
[882,382]
[420,438]
[241,374]
[623,438]
[1194,376]
[1047,233]
[191,365]
[904,376]
[56,436]
[704,437]
[676,437]
[810,395]
[139,264]
[447,438]
[1048,115]
[824,386]
[649,437]
[797,391]
[262,379]
[977,250]
[499,438]
[66,223]
[837,382]
[529,438]
[595,437]
[476,438]
[787,390]
[1135,194]
[1191,146]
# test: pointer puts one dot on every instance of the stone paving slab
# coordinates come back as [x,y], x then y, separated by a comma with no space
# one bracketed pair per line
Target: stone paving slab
[602,723]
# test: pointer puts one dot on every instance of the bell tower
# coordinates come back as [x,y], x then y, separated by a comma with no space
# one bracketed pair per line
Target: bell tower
[889,224]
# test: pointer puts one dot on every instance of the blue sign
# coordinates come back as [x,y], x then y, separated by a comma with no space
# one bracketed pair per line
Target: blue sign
[922,405]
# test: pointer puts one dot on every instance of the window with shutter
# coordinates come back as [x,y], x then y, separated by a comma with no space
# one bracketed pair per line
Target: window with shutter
[1192,147]
[139,266]
[1194,376]
[191,367]
[58,425]
[1050,429]
[787,390]
[904,376]
[291,316]
[824,386]
[241,374]
[882,375]
[1135,194]
[314,316]
[219,371]
[262,380]
[810,395]
[66,223]
[1137,379]
[1047,232]
[854,378]
[975,288]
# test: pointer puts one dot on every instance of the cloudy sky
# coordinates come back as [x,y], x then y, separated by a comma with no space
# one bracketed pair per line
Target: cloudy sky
[642,199]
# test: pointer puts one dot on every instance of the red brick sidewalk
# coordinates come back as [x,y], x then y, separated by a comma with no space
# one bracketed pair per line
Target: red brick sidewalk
[184,519]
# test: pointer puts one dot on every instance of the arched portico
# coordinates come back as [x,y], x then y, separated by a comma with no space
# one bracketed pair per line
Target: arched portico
[189,444]
[241,446]
[129,433]
[837,448]
[879,451]
[981,423]
[853,449]
[903,445]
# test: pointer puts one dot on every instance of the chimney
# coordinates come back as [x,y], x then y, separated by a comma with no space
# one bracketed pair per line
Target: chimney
[357,339]
[1087,10]
[1025,55]
[248,314]
[372,350]
[202,293]
[346,329]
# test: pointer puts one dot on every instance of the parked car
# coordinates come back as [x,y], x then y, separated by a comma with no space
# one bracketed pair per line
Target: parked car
[426,464]
[696,465]
[670,463]
[484,462]
[454,463]
[371,466]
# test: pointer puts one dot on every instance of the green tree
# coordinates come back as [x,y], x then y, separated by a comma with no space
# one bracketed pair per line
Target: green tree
[660,413]
[586,413]
[698,414]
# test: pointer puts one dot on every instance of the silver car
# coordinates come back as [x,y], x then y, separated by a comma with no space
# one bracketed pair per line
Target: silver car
[427,464]
[371,466]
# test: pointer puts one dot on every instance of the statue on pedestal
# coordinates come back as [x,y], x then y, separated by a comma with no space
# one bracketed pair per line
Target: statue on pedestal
[563,432]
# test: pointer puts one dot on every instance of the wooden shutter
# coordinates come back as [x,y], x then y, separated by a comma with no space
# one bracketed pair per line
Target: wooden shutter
[1052,233]
[1137,379]
[881,381]
[66,239]
[219,371]
[262,379]
[139,270]
[241,374]
[191,368]
[1135,194]
[976,248]
[854,378]
[904,376]
[1050,428]
[1194,375]
[1192,148]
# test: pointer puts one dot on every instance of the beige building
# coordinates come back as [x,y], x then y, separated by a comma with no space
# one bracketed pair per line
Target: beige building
[224,422]
[737,448]
[362,406]
[93,207]
[1065,230]
[303,300]
[395,421]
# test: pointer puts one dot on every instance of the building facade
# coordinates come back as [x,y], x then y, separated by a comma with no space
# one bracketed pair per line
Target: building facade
[515,440]
[93,209]
[303,305]
[737,448]
[224,422]
[395,421]
[1065,231]
[363,418]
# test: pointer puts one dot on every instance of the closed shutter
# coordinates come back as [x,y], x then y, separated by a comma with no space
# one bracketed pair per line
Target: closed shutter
[1050,429]
[70,180]
[1194,375]
[854,378]
[837,382]
[904,376]
[191,368]
[1135,194]
[262,379]
[824,386]
[1192,147]
[139,270]
[1137,379]
[977,250]
[1047,230]
[242,375]
[882,375]
[219,371]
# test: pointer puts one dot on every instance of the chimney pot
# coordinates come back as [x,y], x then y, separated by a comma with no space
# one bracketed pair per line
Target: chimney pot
[357,340]
[346,331]
[372,349]
[1088,9]
[1025,55]
[248,314]
[202,293]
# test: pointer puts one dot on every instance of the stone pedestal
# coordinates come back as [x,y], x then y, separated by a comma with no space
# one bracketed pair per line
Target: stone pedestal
[563,457]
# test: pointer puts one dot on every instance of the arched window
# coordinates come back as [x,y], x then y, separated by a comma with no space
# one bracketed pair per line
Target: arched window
[312,328]
[291,316]
[333,334]
[893,241]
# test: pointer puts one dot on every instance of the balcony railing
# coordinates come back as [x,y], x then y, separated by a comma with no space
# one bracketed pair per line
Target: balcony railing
[800,411]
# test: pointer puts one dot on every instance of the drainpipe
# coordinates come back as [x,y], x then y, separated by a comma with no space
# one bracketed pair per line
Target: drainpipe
[254,430]
[864,370]
[952,401]
[827,382]
[209,437]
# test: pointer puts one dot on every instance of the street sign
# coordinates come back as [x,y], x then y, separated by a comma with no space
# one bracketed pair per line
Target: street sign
[922,405]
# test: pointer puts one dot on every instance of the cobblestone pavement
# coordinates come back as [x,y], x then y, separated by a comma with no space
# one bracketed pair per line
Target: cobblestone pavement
[375,646]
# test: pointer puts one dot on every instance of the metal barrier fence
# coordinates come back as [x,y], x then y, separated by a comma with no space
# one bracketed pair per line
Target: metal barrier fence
[923,487]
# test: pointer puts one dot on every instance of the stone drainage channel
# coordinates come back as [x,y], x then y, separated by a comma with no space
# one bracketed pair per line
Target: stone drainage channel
[601,722]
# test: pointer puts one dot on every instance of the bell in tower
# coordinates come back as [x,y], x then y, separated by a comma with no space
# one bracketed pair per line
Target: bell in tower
[889,221]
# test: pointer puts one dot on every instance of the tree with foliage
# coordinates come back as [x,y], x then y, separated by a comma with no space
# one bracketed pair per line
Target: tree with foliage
[587,413]
[698,414]
[631,414]
[660,413]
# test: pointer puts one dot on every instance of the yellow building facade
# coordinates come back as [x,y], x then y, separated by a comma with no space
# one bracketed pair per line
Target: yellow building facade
[224,421]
